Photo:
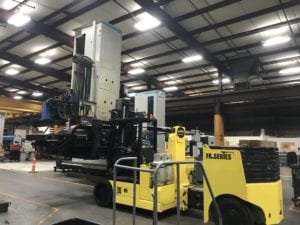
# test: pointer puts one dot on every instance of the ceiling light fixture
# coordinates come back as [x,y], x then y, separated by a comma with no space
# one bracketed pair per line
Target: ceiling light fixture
[22,92]
[275,31]
[11,72]
[132,94]
[18,97]
[137,88]
[136,71]
[146,22]
[171,88]
[11,89]
[50,52]
[18,19]
[276,41]
[137,64]
[192,58]
[37,94]
[286,63]
[291,70]
[42,61]
[224,81]
[172,82]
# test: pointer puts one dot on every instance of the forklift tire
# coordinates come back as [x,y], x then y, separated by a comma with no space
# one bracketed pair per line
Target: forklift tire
[103,193]
[234,212]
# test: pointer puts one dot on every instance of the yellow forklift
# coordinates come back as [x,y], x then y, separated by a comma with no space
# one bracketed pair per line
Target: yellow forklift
[244,183]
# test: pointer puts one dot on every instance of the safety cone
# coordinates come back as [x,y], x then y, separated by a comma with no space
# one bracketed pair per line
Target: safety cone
[33,160]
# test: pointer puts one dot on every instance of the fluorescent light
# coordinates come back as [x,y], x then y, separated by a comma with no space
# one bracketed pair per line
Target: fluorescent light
[42,61]
[131,84]
[172,82]
[171,88]
[18,19]
[132,94]
[147,22]
[136,71]
[275,31]
[286,63]
[192,58]
[276,41]
[22,92]
[11,71]
[138,64]
[139,88]
[291,70]
[37,94]
[18,97]
[50,52]
[11,89]
[224,81]
[195,94]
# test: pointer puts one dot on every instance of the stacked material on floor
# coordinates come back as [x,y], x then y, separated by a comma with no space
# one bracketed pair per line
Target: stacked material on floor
[257,144]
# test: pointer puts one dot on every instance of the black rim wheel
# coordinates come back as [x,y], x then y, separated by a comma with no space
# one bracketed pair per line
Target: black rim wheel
[103,193]
[234,212]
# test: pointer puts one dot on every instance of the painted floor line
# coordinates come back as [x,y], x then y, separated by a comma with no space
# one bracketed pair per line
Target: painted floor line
[54,210]
[51,179]
[67,182]
[22,199]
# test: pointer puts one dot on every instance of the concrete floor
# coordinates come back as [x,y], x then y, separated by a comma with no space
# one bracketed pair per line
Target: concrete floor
[46,198]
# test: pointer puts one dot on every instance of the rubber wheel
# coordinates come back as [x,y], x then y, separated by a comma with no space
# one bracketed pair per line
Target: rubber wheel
[234,212]
[103,193]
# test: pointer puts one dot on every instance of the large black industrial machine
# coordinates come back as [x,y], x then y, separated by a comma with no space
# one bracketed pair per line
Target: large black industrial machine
[94,147]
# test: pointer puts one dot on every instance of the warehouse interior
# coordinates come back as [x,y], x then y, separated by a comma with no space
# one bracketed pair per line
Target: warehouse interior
[149,112]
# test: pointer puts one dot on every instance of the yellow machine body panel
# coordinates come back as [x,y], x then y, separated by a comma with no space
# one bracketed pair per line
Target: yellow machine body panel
[268,196]
[167,192]
[144,199]
[224,168]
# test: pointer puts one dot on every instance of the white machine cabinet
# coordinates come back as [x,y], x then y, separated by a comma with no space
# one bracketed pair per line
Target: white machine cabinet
[153,102]
[102,43]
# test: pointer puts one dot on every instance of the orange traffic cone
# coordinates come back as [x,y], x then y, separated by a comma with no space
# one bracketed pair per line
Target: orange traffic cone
[33,160]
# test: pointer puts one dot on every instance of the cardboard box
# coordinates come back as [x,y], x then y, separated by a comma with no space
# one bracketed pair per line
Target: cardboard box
[288,146]
[257,144]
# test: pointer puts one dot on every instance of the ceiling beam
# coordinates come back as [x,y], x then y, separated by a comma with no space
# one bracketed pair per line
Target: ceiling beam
[126,16]
[34,54]
[196,12]
[217,25]
[80,12]
[255,94]
[218,40]
[228,61]
[20,105]
[40,28]
[30,64]
[177,29]
[20,83]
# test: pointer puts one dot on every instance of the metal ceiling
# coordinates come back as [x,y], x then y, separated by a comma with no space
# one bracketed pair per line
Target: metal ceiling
[222,31]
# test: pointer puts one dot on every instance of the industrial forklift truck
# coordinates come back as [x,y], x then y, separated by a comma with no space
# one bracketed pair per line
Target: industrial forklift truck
[245,183]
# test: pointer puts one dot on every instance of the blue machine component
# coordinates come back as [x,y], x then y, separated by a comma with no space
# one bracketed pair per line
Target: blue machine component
[65,107]
[45,111]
